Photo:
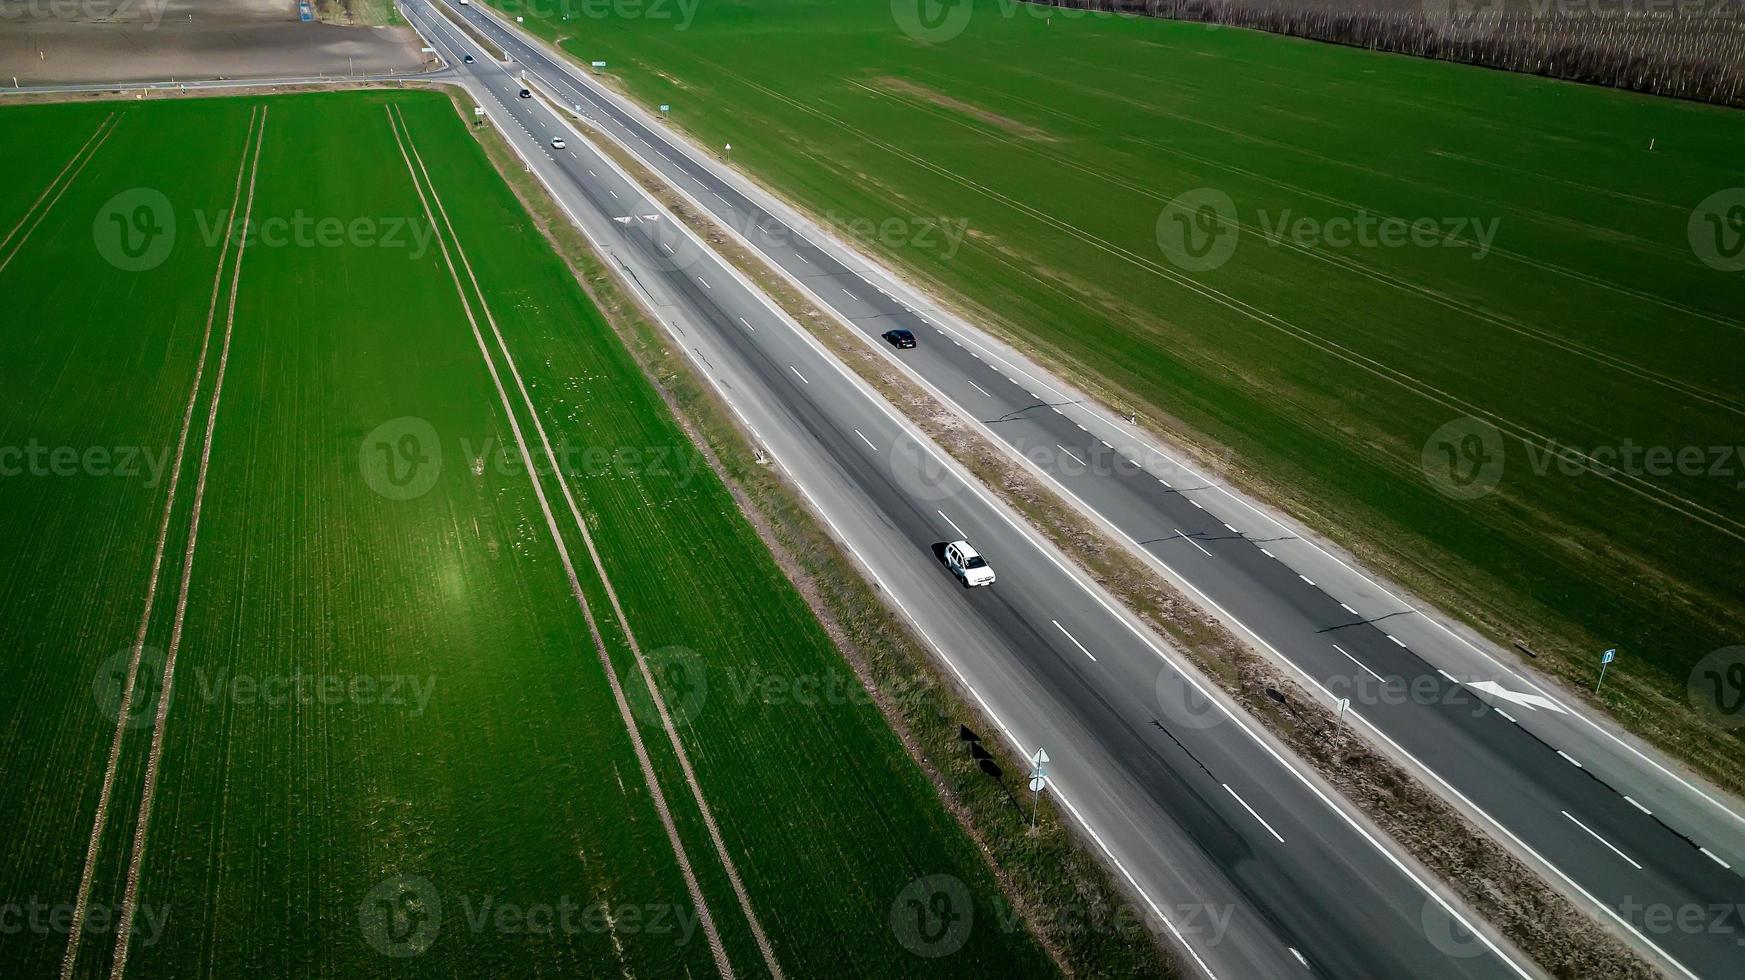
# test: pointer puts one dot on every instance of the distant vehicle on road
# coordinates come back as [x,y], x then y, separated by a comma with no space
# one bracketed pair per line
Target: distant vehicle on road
[467,58]
[558,144]
[968,564]
[900,338]
[526,94]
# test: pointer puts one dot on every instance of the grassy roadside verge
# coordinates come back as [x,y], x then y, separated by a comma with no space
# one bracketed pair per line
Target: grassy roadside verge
[1537,919]
[1056,888]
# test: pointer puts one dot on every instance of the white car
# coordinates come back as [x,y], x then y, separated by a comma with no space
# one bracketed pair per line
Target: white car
[968,564]
[558,144]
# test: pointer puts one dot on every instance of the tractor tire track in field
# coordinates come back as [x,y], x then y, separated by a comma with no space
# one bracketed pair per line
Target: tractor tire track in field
[125,707]
[727,864]
[104,122]
[706,918]
[105,129]
[1318,253]
[1521,432]
[124,924]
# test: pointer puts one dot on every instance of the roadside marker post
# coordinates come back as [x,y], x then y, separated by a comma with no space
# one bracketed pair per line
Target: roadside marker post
[1605,661]
[1343,704]
[1038,782]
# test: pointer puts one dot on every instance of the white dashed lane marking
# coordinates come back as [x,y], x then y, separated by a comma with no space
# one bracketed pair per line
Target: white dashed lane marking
[1075,640]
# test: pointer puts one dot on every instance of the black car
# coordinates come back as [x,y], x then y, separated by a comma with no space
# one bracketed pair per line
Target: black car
[467,58]
[526,94]
[901,339]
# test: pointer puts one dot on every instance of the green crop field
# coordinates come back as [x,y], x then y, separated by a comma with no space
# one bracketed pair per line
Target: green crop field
[1467,322]
[391,745]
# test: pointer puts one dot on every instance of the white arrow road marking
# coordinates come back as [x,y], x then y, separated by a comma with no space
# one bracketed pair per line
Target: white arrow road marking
[1532,701]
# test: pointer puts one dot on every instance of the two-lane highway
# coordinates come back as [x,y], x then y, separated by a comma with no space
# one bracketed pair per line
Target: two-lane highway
[1251,863]
[1510,754]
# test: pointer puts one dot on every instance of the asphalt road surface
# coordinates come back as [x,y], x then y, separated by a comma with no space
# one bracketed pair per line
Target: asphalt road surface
[1188,800]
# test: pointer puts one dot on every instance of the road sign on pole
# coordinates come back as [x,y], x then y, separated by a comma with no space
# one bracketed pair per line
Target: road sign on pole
[1343,704]
[1605,661]
[1038,781]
